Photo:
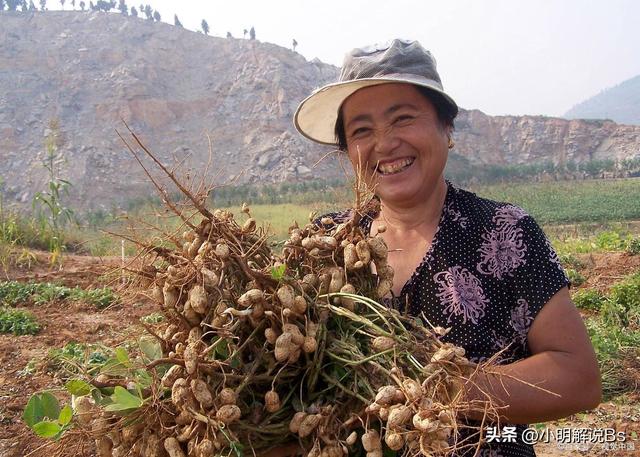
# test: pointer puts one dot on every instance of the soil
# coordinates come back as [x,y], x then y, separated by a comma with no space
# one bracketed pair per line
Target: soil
[63,323]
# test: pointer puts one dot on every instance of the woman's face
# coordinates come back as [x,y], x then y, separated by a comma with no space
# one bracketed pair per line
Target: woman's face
[394,135]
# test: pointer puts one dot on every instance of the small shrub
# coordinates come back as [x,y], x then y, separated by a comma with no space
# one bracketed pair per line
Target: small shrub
[588,299]
[13,293]
[612,344]
[610,240]
[575,277]
[154,318]
[18,322]
[633,246]
[100,298]
[74,358]
[568,260]
[627,292]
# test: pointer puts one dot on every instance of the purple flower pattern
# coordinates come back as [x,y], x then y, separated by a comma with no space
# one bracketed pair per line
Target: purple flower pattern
[455,215]
[461,294]
[508,215]
[521,320]
[502,251]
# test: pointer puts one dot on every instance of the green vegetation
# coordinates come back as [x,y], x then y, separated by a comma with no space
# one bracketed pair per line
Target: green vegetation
[588,299]
[614,328]
[571,201]
[13,293]
[18,322]
[74,358]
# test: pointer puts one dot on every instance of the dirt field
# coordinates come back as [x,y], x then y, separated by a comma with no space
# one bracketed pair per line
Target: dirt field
[64,323]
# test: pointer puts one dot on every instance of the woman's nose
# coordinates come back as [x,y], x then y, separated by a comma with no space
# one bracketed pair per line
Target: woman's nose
[385,140]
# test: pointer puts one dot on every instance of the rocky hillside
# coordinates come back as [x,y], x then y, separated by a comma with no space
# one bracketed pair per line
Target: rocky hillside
[92,71]
[620,103]
[86,73]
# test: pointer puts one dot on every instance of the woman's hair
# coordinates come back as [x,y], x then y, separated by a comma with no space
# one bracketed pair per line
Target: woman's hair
[443,109]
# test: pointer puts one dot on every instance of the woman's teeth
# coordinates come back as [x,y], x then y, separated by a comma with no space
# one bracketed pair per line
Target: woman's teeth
[394,167]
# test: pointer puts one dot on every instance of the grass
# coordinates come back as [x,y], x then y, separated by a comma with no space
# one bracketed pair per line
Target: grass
[614,328]
[571,201]
[18,322]
[14,293]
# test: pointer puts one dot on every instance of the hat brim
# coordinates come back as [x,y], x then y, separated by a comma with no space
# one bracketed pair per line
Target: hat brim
[317,114]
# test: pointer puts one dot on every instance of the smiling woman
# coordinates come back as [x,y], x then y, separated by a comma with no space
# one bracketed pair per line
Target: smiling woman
[484,269]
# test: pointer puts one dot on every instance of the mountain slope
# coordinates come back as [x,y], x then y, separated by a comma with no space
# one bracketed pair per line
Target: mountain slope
[621,104]
[88,72]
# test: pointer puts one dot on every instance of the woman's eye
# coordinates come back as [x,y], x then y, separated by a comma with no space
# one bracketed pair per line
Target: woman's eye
[403,118]
[360,131]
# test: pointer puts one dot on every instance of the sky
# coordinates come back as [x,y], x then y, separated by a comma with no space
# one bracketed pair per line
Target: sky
[499,56]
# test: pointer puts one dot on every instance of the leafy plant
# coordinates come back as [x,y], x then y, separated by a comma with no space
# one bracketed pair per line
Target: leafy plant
[13,293]
[48,204]
[153,318]
[633,246]
[74,358]
[575,277]
[45,417]
[18,322]
[588,299]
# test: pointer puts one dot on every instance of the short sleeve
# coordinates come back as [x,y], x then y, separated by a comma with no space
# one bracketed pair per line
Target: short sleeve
[541,275]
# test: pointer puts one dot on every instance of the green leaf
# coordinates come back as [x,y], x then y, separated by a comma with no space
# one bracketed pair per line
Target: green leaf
[50,405]
[78,387]
[123,400]
[33,412]
[65,415]
[151,348]
[277,273]
[123,356]
[46,429]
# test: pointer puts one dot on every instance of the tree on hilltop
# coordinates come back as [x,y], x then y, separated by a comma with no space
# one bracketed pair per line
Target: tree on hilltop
[43,5]
[12,5]
[176,21]
[294,43]
[229,35]
[123,8]
[32,6]
[134,11]
[23,6]
[81,5]
[244,33]
[252,33]
[205,27]
[148,12]
[62,4]
[92,7]
[156,16]
[73,4]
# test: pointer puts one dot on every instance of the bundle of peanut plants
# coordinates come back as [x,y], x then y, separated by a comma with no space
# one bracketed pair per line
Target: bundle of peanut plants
[260,349]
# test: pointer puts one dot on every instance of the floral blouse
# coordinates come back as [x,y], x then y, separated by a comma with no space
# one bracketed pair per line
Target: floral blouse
[488,273]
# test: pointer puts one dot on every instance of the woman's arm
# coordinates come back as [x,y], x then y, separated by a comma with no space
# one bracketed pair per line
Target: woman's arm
[563,362]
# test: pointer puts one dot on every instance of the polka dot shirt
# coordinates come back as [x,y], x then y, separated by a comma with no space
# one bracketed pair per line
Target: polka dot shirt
[488,273]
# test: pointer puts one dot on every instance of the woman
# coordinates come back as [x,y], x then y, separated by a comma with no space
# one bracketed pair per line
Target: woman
[481,268]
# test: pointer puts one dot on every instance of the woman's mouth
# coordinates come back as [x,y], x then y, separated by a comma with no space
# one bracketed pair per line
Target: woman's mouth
[393,167]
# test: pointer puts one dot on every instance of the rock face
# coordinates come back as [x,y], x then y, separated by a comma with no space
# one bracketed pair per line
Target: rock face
[92,71]
[89,72]
[529,139]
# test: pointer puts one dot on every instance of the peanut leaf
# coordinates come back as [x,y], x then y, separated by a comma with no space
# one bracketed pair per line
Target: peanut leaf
[78,387]
[123,400]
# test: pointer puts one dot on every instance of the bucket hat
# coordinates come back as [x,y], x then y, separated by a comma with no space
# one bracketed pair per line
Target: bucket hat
[397,61]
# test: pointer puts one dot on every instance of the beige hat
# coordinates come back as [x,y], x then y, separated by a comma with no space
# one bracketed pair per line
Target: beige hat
[396,61]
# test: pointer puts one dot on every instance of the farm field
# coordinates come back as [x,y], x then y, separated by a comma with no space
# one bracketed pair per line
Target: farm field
[77,312]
